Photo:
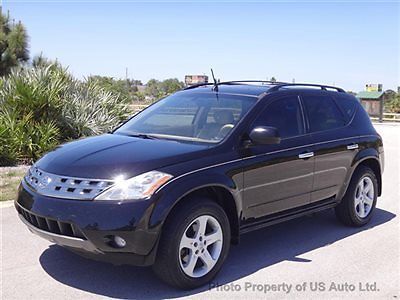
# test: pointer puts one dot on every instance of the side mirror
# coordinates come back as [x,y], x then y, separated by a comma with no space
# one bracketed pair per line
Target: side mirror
[265,135]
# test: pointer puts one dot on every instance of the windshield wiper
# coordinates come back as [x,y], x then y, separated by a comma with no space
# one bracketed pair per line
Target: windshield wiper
[143,136]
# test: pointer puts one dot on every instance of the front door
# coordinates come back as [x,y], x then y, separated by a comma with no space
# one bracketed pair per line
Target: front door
[279,177]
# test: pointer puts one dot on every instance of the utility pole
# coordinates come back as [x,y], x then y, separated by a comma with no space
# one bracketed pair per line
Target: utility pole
[126,78]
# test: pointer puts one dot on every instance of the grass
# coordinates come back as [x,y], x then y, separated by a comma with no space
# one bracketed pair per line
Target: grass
[10,177]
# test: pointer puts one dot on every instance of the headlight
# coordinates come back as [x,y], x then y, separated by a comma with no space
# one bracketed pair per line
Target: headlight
[138,187]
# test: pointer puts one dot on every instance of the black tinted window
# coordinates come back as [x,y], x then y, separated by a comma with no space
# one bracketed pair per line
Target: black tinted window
[347,104]
[323,114]
[285,115]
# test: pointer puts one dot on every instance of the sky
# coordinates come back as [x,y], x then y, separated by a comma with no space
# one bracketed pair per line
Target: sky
[345,43]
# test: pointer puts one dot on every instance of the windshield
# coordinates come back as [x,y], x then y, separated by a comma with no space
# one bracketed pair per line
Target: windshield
[202,117]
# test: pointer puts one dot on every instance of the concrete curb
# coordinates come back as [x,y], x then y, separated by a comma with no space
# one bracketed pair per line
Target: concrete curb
[5,204]
[387,123]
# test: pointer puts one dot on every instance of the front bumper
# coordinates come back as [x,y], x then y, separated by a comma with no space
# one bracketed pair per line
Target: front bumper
[88,227]
[62,240]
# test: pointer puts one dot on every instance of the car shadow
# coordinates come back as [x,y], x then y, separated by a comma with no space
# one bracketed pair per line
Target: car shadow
[257,250]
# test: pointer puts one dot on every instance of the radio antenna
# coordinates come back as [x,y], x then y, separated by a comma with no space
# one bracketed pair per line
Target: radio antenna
[215,81]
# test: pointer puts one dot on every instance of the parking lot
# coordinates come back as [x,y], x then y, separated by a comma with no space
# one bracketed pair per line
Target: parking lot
[311,257]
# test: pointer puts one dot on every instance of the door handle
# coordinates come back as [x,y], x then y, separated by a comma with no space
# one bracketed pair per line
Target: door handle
[352,147]
[306,155]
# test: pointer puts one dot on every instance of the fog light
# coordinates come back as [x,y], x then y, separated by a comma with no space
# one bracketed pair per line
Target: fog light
[119,241]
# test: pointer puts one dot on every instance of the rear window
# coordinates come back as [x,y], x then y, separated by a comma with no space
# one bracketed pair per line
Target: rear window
[323,113]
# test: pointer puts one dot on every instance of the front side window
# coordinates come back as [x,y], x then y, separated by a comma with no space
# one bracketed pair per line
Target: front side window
[285,115]
[198,117]
[323,114]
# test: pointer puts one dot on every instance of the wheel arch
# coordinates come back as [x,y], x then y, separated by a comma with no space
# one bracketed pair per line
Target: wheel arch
[216,187]
[371,161]
[223,197]
[374,165]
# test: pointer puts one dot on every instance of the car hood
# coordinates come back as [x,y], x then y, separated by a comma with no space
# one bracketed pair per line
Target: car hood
[110,155]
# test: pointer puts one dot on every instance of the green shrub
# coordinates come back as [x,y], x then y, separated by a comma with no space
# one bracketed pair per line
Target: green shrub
[393,105]
[43,106]
[37,92]
[89,109]
[25,140]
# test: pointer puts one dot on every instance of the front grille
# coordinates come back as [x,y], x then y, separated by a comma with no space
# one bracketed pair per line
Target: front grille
[64,186]
[51,225]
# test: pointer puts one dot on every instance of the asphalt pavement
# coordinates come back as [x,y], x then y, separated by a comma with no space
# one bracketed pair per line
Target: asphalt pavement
[307,258]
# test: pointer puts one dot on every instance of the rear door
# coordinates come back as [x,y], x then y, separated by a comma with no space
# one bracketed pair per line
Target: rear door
[334,142]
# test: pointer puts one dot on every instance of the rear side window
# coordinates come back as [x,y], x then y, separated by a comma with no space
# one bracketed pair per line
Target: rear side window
[283,114]
[347,105]
[323,113]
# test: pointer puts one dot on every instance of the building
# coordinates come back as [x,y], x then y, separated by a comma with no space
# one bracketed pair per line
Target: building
[372,99]
[195,79]
[373,87]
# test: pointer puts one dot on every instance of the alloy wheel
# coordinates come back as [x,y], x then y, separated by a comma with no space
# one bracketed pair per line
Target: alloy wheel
[364,197]
[200,246]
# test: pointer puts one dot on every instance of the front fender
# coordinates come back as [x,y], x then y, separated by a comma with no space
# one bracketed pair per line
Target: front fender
[175,190]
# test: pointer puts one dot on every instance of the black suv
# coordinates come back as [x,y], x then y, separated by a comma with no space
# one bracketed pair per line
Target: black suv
[179,182]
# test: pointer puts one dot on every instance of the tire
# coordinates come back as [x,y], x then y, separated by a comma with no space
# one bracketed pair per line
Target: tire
[356,207]
[174,260]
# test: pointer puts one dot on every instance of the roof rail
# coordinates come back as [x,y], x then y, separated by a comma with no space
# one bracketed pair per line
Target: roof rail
[197,85]
[253,81]
[234,82]
[277,85]
[322,87]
